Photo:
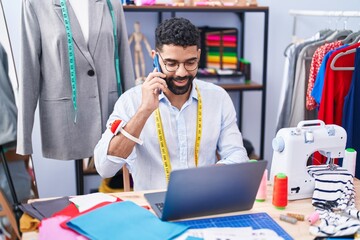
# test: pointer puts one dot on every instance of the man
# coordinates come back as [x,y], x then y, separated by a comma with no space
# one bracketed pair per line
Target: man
[172,120]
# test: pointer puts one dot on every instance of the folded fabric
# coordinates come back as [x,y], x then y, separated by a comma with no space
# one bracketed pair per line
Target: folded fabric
[334,200]
[28,223]
[44,209]
[85,202]
[50,229]
[124,220]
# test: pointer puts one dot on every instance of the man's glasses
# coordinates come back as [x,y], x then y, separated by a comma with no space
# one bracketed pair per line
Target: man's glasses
[172,66]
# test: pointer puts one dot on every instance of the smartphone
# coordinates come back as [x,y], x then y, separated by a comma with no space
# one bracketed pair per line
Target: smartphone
[158,67]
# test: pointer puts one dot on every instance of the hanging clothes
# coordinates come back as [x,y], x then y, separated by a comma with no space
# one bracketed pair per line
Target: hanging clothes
[314,70]
[298,111]
[351,112]
[336,87]
[286,95]
[45,78]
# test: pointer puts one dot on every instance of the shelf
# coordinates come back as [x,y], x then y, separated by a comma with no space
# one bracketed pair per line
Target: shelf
[240,86]
[159,8]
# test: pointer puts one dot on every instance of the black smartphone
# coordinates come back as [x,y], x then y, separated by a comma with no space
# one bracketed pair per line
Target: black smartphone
[158,67]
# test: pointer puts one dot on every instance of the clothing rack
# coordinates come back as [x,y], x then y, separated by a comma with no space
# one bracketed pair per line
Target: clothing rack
[315,13]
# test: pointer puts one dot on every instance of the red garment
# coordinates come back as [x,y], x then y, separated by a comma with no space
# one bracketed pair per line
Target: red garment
[314,69]
[336,87]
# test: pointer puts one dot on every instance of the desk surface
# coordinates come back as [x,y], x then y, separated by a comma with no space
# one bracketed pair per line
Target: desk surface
[298,231]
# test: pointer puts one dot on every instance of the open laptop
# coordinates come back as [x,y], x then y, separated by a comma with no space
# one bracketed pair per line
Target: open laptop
[214,189]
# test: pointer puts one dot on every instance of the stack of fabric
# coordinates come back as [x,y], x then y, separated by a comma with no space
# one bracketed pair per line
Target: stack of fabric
[222,49]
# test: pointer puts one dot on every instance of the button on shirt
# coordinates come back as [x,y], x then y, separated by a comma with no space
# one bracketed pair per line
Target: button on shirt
[219,133]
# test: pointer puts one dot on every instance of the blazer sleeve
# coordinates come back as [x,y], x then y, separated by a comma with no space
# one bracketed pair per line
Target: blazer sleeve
[29,77]
[126,64]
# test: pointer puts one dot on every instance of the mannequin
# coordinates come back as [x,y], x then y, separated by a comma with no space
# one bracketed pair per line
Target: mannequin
[139,38]
[72,113]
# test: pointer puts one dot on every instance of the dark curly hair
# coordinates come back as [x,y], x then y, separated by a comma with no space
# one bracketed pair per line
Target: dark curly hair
[178,32]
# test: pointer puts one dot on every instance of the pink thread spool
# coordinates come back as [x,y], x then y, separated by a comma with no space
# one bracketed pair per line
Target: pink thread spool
[313,218]
[261,194]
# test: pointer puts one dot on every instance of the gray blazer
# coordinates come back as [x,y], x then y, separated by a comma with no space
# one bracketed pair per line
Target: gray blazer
[45,77]
[8,109]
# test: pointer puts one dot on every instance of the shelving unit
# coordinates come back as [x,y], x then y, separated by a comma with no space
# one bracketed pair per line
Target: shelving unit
[240,12]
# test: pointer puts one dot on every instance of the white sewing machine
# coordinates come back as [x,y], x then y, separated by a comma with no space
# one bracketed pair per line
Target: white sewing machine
[293,147]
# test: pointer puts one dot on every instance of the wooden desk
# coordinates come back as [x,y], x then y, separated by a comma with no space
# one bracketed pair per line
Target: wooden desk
[299,231]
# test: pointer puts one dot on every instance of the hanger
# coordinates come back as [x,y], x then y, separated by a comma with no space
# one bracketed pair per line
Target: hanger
[351,38]
[339,35]
[332,65]
[356,40]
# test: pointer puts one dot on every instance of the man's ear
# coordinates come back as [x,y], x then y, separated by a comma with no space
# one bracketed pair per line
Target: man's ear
[153,53]
[199,53]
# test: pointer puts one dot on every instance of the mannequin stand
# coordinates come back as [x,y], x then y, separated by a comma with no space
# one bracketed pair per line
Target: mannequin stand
[16,209]
[79,172]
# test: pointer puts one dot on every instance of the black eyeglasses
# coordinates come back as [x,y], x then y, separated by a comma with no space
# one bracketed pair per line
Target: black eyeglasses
[172,66]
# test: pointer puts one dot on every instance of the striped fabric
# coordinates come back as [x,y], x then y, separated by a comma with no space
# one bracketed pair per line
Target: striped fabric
[336,187]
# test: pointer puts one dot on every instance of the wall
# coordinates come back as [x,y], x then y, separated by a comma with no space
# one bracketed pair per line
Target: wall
[51,173]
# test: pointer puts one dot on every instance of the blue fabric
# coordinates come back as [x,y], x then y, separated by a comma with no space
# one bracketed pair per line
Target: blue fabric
[351,112]
[124,220]
[320,77]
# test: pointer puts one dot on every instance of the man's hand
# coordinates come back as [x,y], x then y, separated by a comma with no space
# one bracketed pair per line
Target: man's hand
[150,90]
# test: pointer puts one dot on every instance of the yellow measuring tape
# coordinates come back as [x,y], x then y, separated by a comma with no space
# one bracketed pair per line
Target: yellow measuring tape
[162,142]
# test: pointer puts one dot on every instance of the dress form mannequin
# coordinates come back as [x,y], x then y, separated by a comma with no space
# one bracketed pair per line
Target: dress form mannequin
[81,9]
[44,74]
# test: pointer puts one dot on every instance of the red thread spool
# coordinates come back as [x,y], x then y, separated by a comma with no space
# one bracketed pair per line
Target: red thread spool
[280,192]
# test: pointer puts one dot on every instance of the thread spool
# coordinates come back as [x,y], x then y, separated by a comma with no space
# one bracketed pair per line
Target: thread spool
[299,217]
[261,194]
[288,219]
[313,218]
[280,192]
[349,161]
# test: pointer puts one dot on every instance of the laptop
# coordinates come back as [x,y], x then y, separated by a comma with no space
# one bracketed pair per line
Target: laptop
[214,189]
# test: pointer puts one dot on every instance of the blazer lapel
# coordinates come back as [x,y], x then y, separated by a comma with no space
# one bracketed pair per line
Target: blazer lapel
[96,12]
[77,35]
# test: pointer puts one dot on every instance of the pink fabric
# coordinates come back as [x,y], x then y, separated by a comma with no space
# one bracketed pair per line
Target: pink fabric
[226,38]
[314,69]
[50,229]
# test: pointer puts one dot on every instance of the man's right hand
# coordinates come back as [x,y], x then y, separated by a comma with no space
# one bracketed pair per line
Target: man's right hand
[150,90]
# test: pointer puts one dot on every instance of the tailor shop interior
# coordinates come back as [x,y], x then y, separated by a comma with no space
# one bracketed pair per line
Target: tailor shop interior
[65,63]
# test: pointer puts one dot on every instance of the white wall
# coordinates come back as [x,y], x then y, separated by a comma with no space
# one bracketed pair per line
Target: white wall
[52,173]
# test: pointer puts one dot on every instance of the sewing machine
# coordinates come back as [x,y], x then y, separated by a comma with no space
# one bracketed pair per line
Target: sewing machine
[293,147]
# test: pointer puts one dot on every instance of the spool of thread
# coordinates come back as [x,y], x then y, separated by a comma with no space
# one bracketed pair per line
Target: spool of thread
[261,194]
[288,219]
[349,161]
[280,192]
[313,218]
[299,217]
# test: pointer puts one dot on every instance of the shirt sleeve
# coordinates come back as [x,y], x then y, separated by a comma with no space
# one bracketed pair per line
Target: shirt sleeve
[230,145]
[107,165]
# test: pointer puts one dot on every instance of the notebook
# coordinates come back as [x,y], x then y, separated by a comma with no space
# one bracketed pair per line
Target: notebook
[201,191]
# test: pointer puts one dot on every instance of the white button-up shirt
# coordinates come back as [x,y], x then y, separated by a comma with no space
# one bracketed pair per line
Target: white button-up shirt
[220,133]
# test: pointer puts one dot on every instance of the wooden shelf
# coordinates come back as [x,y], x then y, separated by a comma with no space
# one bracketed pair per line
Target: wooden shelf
[160,8]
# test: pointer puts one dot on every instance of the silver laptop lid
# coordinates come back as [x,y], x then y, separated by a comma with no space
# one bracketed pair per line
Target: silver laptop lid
[212,190]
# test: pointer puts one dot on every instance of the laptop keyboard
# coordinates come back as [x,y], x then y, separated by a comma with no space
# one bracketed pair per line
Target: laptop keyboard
[160,206]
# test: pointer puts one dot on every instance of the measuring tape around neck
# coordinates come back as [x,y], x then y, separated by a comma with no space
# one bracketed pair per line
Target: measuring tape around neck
[71,53]
[162,142]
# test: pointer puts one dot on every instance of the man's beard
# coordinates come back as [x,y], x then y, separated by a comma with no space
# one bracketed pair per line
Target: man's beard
[176,89]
